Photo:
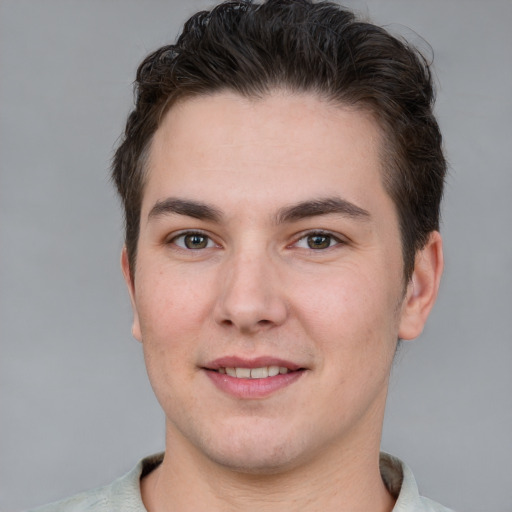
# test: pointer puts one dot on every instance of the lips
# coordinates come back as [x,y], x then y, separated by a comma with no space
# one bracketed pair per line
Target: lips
[252,378]
[252,364]
[254,373]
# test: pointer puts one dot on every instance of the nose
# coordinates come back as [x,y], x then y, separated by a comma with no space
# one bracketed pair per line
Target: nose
[251,297]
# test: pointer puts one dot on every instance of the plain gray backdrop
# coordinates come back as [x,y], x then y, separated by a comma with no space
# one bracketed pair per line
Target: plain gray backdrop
[76,408]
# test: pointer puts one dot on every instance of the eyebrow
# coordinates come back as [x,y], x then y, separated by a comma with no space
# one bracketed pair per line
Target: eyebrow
[324,206]
[194,209]
[292,213]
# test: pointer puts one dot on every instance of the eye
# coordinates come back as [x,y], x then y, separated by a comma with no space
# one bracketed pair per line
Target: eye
[317,241]
[193,241]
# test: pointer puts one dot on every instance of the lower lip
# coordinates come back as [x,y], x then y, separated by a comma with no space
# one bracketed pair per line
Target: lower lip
[253,388]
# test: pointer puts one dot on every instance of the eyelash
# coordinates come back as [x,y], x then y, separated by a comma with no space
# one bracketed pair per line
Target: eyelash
[319,234]
[209,241]
[328,236]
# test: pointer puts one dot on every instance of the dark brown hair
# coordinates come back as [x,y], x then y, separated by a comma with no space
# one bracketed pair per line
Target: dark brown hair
[300,46]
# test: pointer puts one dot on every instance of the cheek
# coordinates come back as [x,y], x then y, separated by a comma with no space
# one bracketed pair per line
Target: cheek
[351,312]
[172,304]
[171,312]
[353,323]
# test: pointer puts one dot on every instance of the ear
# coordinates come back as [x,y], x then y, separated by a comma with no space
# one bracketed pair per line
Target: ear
[422,288]
[125,266]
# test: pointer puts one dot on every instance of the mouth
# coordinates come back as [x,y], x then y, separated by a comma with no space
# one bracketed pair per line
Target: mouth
[253,373]
[252,378]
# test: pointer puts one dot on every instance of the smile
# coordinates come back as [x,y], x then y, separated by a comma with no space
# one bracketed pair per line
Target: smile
[252,379]
[254,373]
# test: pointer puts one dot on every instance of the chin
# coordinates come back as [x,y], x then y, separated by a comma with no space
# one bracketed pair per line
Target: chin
[256,461]
[256,452]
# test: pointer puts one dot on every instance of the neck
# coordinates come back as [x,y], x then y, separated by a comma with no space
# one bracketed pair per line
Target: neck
[337,480]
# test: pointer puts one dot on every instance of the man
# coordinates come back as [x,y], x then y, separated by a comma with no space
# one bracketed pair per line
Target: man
[281,176]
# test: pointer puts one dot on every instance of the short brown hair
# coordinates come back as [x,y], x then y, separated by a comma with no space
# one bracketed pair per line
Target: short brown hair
[301,46]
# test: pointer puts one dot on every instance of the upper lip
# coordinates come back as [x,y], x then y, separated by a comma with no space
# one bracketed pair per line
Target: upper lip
[257,362]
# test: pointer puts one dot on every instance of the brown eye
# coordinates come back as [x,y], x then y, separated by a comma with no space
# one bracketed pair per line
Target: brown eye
[196,241]
[319,241]
[193,241]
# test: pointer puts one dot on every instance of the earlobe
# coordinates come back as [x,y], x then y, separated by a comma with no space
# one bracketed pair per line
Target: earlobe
[423,288]
[125,266]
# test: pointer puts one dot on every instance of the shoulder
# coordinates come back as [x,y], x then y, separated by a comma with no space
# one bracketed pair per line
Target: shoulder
[91,501]
[433,506]
[401,483]
[122,494]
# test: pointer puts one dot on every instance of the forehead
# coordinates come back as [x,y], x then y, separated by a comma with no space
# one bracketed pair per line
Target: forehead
[283,146]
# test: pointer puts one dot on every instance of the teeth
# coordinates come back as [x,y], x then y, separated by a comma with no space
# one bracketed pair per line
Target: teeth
[273,371]
[254,373]
[259,373]
[243,373]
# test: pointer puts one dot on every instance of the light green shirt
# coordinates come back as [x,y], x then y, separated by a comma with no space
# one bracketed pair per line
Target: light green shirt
[123,495]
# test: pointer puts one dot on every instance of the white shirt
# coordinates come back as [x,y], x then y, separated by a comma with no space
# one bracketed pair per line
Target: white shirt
[123,495]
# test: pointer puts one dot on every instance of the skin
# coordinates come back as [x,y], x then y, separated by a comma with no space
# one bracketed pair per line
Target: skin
[258,289]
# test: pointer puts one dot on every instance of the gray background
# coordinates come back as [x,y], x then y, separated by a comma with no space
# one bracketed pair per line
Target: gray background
[76,408]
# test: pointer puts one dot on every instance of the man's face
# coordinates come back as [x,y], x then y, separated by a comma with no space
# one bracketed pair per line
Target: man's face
[268,245]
